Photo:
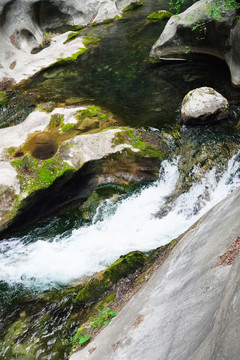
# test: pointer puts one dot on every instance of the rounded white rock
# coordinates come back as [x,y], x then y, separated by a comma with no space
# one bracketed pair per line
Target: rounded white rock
[204,105]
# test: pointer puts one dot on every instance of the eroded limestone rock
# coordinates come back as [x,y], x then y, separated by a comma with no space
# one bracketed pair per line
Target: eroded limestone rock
[25,25]
[204,105]
[50,146]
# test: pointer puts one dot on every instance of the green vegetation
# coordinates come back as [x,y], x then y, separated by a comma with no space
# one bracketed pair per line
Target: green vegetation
[34,174]
[78,339]
[46,107]
[90,40]
[136,140]
[72,35]
[213,9]
[90,112]
[68,127]
[70,59]
[56,121]
[103,317]
[133,6]
[3,98]
[160,15]
[96,287]
[87,41]
[107,21]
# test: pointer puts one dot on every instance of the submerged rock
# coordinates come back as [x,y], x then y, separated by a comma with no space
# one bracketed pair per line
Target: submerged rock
[59,145]
[196,30]
[204,105]
[160,15]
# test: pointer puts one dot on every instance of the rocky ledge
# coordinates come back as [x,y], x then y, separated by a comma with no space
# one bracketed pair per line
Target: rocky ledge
[28,29]
[41,156]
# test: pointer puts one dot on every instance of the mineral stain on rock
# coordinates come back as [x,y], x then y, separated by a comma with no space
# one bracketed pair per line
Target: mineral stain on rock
[43,146]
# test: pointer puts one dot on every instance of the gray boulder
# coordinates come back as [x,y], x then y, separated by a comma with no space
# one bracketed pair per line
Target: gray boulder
[217,37]
[204,105]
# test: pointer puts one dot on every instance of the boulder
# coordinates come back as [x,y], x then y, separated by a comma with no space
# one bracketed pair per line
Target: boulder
[204,105]
[197,31]
[40,156]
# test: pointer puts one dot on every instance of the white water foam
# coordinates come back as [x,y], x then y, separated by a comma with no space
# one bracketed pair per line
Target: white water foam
[133,226]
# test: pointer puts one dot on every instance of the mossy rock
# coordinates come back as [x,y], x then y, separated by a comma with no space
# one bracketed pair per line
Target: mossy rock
[3,98]
[97,286]
[133,6]
[125,265]
[160,15]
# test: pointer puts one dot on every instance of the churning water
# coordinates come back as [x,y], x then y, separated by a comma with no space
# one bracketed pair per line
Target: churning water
[129,225]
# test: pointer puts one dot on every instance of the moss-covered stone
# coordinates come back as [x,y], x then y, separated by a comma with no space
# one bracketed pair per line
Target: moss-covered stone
[135,138]
[97,286]
[133,6]
[3,98]
[72,36]
[160,15]
[70,59]
[37,174]
[90,40]
[107,21]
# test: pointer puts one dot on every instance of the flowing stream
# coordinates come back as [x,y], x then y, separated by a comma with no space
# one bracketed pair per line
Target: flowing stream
[38,269]
[129,225]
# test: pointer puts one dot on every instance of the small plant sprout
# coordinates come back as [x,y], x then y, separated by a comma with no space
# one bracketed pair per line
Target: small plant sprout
[103,318]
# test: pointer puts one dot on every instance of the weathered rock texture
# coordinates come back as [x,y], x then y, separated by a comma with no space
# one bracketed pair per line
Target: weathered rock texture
[217,37]
[189,309]
[23,24]
[48,149]
[204,105]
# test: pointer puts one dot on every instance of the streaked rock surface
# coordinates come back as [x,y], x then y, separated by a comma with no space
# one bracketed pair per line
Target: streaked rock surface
[189,308]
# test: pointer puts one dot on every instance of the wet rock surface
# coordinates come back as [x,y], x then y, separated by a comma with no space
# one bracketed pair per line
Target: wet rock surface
[188,309]
[30,25]
[54,146]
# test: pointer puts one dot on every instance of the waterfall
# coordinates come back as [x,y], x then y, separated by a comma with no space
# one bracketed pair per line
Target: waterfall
[117,228]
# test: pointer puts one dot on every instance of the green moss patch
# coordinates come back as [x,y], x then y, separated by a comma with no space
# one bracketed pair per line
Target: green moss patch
[34,174]
[135,138]
[3,98]
[68,127]
[160,15]
[70,59]
[93,119]
[107,21]
[97,286]
[72,36]
[90,40]
[133,6]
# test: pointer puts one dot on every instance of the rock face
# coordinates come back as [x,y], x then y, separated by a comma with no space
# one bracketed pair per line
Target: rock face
[189,309]
[217,37]
[204,105]
[24,23]
[49,149]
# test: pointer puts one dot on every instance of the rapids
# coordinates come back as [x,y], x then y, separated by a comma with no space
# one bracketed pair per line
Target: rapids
[116,229]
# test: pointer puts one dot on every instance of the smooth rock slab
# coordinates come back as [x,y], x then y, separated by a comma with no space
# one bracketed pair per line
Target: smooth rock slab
[204,105]
[189,309]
